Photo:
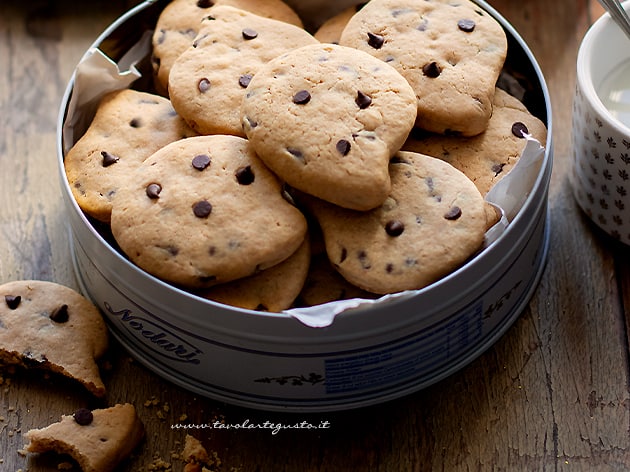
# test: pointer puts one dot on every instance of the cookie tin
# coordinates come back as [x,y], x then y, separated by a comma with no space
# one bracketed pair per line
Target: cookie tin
[364,355]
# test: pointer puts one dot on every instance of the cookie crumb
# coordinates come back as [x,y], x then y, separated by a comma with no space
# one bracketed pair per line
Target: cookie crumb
[197,458]
[159,465]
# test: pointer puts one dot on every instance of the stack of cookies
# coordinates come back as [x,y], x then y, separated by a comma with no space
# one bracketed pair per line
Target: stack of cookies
[265,149]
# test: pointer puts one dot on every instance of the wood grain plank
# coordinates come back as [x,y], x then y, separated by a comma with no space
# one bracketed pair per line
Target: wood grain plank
[550,395]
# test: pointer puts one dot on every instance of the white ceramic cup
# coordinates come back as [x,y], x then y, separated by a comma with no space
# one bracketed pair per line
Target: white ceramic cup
[601,143]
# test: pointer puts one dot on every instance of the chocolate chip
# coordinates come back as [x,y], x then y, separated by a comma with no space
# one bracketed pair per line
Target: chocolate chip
[201,161]
[343,146]
[206,279]
[363,260]
[202,209]
[519,129]
[302,97]
[244,80]
[295,153]
[205,3]
[363,101]
[376,40]
[60,314]
[12,301]
[251,122]
[497,169]
[343,255]
[172,250]
[454,213]
[389,268]
[109,159]
[249,33]
[466,25]
[397,159]
[153,191]
[203,85]
[431,70]
[83,416]
[161,36]
[394,228]
[135,123]
[197,41]
[245,175]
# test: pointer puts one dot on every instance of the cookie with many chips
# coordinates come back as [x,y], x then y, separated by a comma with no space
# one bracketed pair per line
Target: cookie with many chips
[128,127]
[450,52]
[489,156]
[208,81]
[205,210]
[178,25]
[432,222]
[327,119]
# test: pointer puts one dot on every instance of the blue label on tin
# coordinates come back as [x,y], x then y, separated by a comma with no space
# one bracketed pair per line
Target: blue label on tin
[416,357]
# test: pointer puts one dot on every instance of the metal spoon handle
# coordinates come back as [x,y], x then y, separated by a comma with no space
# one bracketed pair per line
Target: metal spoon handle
[618,14]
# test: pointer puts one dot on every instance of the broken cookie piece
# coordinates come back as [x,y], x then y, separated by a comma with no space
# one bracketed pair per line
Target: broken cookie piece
[53,327]
[97,440]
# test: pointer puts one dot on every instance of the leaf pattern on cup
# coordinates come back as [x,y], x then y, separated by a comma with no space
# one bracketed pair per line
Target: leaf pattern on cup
[601,170]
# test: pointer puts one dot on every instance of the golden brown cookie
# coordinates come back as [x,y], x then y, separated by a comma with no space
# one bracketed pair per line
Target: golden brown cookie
[98,440]
[203,211]
[489,156]
[450,52]
[271,290]
[208,81]
[52,327]
[326,119]
[128,127]
[433,220]
[178,25]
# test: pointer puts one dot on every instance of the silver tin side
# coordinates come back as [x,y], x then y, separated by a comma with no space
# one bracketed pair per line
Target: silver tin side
[274,362]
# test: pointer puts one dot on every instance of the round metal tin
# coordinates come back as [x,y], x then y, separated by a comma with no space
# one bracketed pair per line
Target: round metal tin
[273,361]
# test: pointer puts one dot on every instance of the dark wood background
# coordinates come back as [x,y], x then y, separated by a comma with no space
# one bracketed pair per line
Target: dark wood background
[552,394]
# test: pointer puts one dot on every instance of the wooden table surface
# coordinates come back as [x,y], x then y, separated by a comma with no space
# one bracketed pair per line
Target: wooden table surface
[552,394]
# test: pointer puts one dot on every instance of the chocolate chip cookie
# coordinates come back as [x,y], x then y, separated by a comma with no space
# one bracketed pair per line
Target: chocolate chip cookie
[489,156]
[128,127]
[208,81]
[432,222]
[326,119]
[178,25]
[205,210]
[52,327]
[97,439]
[450,52]
[271,290]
